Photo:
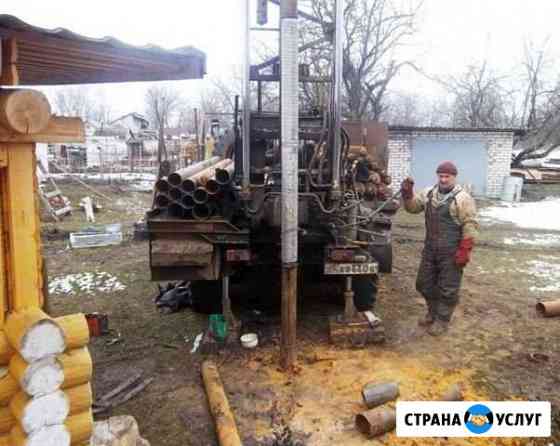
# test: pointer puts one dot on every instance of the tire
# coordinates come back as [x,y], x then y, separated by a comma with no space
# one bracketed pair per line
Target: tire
[207,296]
[365,292]
[384,256]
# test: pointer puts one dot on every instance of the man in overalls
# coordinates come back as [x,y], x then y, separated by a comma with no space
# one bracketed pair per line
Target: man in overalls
[451,228]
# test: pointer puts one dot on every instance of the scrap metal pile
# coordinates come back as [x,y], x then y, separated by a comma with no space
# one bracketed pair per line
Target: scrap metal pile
[199,191]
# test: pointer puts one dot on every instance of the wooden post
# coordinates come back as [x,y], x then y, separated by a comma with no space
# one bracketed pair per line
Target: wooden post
[24,237]
[3,270]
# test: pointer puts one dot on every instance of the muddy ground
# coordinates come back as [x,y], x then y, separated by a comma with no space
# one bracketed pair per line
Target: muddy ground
[490,348]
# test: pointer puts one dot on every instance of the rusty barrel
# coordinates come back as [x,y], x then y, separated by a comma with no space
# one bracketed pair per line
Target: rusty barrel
[375,394]
[375,422]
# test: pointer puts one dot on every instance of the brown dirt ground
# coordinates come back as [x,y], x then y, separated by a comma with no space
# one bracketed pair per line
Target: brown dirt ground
[488,348]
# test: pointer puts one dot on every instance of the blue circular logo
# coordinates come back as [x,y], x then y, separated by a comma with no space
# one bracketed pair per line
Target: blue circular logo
[479,419]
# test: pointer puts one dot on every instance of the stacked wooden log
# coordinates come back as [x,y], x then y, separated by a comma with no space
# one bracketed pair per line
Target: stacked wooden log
[199,191]
[45,390]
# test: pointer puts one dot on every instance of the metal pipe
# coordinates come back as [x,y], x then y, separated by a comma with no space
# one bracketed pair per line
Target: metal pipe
[337,87]
[224,176]
[162,200]
[246,98]
[376,421]
[176,193]
[162,185]
[176,209]
[200,195]
[203,211]
[188,201]
[549,309]
[289,107]
[213,187]
[191,183]
[375,394]
[177,178]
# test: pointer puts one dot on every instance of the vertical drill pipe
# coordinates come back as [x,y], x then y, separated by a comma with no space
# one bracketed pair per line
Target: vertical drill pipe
[337,86]
[226,429]
[246,98]
[289,106]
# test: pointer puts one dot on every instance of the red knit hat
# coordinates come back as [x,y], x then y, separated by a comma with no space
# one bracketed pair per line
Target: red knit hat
[447,167]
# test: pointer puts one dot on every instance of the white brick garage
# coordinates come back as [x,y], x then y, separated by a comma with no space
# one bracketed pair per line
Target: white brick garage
[483,156]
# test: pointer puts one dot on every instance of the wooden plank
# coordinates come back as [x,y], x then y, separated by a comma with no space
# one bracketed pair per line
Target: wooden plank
[9,74]
[59,130]
[3,156]
[22,227]
[3,272]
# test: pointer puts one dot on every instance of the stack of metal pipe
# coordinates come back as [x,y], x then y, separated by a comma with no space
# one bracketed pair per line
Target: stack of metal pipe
[199,191]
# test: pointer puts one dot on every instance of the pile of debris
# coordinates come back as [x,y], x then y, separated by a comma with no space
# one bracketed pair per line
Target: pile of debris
[198,192]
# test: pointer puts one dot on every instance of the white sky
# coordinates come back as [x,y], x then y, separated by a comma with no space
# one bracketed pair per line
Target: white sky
[452,33]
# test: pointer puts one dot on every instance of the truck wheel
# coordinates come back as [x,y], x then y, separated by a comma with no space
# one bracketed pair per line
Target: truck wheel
[207,296]
[365,292]
[384,256]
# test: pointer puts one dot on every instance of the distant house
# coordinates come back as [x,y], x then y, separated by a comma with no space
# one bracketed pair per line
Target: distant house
[134,122]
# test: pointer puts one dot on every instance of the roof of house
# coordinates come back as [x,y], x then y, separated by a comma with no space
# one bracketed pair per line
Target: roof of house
[133,114]
[59,56]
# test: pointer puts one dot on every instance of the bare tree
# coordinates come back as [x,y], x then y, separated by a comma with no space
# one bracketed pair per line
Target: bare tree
[535,64]
[479,98]
[74,101]
[374,31]
[162,102]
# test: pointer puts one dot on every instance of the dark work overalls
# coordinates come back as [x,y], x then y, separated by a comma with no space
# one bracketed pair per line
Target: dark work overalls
[439,278]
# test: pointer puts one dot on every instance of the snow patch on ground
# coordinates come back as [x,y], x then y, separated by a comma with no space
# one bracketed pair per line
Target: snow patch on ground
[542,240]
[88,283]
[545,274]
[531,215]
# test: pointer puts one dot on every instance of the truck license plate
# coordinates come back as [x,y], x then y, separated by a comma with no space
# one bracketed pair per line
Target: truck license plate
[351,268]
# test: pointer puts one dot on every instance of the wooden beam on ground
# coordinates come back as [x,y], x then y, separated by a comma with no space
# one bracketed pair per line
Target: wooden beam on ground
[23,260]
[58,130]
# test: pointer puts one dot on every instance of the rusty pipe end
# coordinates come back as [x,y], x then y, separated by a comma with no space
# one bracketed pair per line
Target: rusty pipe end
[223,177]
[176,193]
[188,201]
[549,309]
[202,211]
[162,201]
[376,421]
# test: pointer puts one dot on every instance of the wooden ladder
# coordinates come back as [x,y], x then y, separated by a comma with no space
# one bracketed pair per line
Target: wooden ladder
[48,196]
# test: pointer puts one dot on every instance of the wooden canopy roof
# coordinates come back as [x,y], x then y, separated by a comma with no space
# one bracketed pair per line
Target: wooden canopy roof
[39,56]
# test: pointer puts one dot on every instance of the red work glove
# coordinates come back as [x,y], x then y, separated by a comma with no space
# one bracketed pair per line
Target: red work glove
[463,254]
[407,189]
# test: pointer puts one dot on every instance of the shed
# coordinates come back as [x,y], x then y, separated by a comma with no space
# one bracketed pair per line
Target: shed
[482,155]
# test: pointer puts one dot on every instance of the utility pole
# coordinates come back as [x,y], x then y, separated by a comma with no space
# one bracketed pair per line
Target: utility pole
[289,115]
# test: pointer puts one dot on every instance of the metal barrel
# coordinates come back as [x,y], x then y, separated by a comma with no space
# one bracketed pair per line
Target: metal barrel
[176,194]
[213,187]
[162,200]
[375,394]
[188,201]
[453,393]
[162,185]
[203,211]
[375,422]
[549,309]
[177,178]
[200,195]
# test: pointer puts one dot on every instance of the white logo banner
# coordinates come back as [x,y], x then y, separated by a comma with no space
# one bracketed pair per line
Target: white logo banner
[473,419]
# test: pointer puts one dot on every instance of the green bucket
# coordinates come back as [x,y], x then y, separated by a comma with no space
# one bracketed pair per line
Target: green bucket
[218,327]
